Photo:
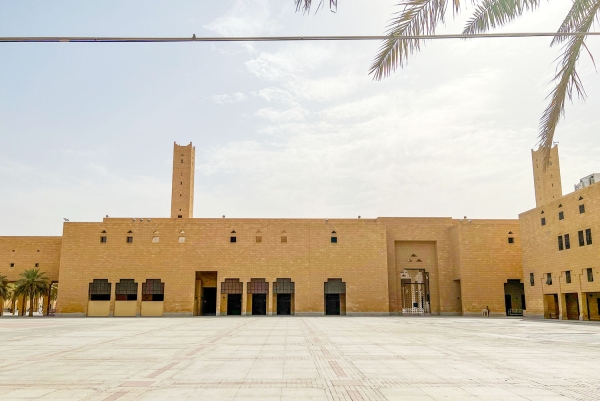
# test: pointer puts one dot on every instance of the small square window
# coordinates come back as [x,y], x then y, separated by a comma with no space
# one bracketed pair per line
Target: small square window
[179,216]
[155,240]
[283,238]
[567,242]
[560,243]
[581,208]
[561,215]
[543,221]
[129,240]
[334,240]
[181,240]
[511,240]
[590,274]
[103,239]
[258,238]
[549,278]
[37,265]
[568,276]
[531,279]
[12,265]
[232,239]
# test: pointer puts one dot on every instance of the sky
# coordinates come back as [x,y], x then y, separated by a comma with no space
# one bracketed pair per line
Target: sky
[282,130]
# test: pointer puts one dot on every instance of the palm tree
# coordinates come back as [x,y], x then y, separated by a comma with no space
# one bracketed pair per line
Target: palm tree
[4,292]
[420,17]
[32,283]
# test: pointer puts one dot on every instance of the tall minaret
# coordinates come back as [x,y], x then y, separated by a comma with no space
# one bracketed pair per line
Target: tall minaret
[547,183]
[182,198]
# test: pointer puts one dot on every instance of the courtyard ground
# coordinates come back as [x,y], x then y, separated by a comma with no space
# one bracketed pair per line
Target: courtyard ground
[295,358]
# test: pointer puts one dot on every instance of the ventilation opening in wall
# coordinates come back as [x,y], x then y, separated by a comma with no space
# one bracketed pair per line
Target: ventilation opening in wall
[179,216]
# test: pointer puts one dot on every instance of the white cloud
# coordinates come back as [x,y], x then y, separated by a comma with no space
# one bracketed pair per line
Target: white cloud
[245,18]
[228,99]
[276,95]
[278,116]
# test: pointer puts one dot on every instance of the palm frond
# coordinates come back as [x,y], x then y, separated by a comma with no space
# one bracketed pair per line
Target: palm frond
[567,79]
[417,17]
[494,13]
[575,17]
[4,289]
[305,5]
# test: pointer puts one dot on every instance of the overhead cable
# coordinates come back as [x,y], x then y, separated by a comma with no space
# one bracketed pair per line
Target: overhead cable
[105,39]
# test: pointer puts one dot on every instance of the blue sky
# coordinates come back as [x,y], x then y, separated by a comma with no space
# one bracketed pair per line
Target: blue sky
[280,129]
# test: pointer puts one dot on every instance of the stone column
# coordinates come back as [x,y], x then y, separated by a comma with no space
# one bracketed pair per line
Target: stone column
[46,304]
[22,305]
[244,296]
[218,311]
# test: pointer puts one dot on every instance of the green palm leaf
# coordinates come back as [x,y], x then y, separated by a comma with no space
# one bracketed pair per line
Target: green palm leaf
[32,283]
[494,13]
[417,18]
[566,76]
[574,19]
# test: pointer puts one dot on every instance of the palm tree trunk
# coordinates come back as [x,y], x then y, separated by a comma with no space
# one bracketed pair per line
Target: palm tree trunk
[31,304]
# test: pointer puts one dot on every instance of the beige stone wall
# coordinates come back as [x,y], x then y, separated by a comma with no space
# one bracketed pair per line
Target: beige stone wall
[308,257]
[25,252]
[417,230]
[486,261]
[541,254]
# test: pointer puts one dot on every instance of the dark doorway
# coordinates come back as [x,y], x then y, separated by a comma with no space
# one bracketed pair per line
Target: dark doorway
[234,304]
[572,304]
[259,304]
[284,304]
[332,304]
[209,301]
[508,304]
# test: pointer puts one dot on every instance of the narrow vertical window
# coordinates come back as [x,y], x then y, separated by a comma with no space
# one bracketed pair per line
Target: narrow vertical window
[581,240]
[560,243]
[568,276]
[531,279]
[581,208]
[549,278]
[543,221]
[561,215]
[590,274]
[567,242]
[588,236]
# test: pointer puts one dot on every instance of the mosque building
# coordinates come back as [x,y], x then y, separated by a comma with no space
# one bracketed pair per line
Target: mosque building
[186,266]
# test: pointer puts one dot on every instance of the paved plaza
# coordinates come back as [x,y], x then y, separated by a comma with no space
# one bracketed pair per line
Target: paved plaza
[295,358]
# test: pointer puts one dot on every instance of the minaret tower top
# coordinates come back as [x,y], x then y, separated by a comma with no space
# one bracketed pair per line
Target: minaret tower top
[547,183]
[182,198]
